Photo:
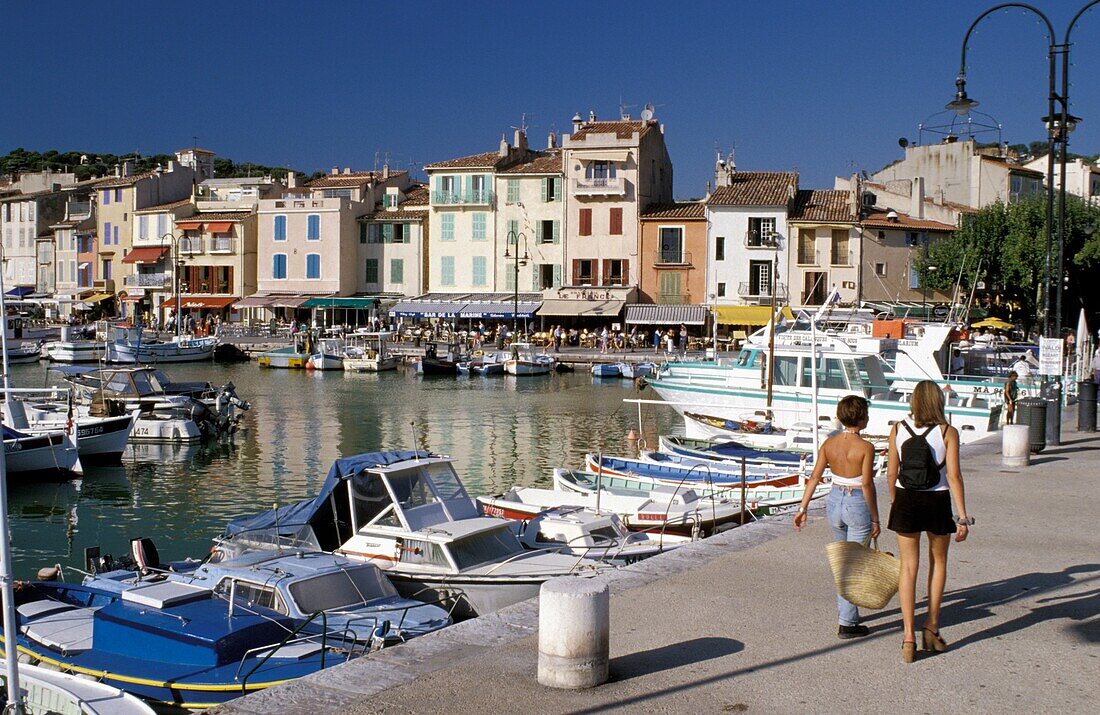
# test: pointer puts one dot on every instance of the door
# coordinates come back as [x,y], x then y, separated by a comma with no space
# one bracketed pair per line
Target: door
[760,278]
[814,290]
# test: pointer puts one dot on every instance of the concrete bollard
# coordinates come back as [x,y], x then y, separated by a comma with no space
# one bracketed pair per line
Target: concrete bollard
[1015,446]
[574,633]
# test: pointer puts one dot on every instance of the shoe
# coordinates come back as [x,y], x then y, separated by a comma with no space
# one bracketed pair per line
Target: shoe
[931,640]
[846,632]
[908,651]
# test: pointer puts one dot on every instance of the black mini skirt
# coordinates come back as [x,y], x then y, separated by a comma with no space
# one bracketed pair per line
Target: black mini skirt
[916,511]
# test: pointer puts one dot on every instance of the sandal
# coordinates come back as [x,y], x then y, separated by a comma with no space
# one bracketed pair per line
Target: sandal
[908,651]
[931,640]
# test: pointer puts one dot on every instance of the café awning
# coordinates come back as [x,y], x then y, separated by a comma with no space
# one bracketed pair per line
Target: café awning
[499,309]
[189,225]
[564,308]
[97,297]
[219,226]
[749,314]
[427,308]
[19,291]
[339,301]
[254,301]
[657,314]
[195,302]
[145,254]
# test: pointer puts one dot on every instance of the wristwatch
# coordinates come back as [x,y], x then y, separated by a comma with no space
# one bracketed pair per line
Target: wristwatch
[969,521]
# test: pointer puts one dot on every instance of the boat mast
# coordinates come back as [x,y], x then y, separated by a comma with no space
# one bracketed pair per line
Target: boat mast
[7,590]
[771,337]
[813,381]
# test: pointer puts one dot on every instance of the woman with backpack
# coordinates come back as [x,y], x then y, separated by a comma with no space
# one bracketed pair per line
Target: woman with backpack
[925,478]
[852,504]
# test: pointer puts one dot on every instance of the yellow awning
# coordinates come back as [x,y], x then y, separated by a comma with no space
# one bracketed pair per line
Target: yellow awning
[995,323]
[98,297]
[748,314]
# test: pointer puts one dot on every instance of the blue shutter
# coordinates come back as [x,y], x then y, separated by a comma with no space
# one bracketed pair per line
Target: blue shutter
[107,233]
[557,275]
[469,188]
[557,231]
[397,270]
[116,235]
[280,228]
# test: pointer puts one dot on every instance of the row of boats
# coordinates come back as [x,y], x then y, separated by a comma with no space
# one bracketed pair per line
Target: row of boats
[390,548]
[114,344]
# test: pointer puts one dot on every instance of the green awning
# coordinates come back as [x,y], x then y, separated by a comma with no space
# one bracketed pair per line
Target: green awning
[347,302]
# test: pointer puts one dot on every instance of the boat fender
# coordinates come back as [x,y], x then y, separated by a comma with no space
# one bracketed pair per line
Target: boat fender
[49,573]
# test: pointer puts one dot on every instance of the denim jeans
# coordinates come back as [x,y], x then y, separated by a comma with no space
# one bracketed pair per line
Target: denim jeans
[851,521]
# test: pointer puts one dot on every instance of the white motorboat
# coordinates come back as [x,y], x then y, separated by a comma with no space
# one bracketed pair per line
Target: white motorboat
[75,351]
[35,456]
[525,361]
[49,692]
[328,355]
[369,352]
[25,353]
[594,535]
[98,439]
[409,514]
[131,346]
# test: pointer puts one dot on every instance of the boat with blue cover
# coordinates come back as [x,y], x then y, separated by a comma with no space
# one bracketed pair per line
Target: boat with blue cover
[359,602]
[607,369]
[170,643]
[726,451]
[692,475]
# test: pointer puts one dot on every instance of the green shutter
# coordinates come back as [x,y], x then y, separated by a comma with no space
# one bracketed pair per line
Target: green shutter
[546,190]
[387,233]
[510,278]
[362,233]
[513,231]
[469,187]
[535,276]
[557,231]
[538,232]
[557,275]
[557,188]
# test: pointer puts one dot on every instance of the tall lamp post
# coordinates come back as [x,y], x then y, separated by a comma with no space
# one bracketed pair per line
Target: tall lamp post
[177,264]
[1059,123]
[514,238]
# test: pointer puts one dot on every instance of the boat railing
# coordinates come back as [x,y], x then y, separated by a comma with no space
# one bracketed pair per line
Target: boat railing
[289,639]
[375,618]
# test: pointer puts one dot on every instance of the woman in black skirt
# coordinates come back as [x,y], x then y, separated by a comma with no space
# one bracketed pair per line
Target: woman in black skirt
[931,471]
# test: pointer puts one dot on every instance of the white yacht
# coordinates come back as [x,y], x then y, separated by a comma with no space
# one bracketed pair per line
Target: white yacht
[369,352]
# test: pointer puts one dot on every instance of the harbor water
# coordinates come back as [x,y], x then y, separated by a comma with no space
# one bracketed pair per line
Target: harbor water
[500,430]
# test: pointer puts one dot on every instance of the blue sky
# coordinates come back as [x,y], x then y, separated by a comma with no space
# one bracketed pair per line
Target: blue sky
[822,87]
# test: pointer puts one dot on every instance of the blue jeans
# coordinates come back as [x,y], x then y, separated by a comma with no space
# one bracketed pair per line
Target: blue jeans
[851,521]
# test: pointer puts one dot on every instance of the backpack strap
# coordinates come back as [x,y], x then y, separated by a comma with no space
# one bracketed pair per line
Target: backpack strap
[908,429]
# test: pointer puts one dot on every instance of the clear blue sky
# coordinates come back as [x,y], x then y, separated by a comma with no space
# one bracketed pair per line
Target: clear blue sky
[821,87]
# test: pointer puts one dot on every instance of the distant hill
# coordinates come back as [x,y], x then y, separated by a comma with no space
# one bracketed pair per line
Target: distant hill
[20,161]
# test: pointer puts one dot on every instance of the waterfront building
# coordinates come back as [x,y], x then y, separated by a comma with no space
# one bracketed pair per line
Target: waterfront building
[1082,177]
[392,243]
[24,219]
[892,243]
[148,269]
[308,240]
[72,235]
[824,230]
[529,216]
[673,254]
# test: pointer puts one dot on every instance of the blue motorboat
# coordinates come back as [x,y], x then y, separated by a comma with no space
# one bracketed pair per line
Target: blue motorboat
[359,603]
[607,369]
[170,643]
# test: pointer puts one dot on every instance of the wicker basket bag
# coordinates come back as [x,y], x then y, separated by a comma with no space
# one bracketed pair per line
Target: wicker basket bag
[864,575]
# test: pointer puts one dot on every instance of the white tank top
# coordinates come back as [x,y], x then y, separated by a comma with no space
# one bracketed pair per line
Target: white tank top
[935,441]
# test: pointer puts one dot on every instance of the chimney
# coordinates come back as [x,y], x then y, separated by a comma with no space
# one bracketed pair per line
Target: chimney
[127,168]
[591,115]
[854,198]
[335,171]
[577,122]
[171,167]
[521,140]
[552,141]
[118,170]
[916,194]
[502,152]
[347,169]
[385,171]
[291,180]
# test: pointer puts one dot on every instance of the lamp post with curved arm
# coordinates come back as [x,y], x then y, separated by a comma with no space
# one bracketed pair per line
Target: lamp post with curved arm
[514,237]
[174,240]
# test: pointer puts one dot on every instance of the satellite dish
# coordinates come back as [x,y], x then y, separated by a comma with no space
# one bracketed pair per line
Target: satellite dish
[647,113]
[903,142]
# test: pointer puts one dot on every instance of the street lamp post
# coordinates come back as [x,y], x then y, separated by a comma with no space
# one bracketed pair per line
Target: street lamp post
[177,263]
[513,237]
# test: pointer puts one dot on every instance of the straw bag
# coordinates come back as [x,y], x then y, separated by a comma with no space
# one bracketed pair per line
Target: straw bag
[864,576]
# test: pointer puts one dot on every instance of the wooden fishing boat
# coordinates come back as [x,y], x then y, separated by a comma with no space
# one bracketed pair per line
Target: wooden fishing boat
[526,363]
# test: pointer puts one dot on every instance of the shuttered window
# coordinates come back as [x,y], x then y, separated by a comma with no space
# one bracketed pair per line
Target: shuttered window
[478,271]
[585,222]
[615,222]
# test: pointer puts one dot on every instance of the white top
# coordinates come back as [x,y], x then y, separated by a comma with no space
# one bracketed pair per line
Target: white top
[1022,367]
[935,441]
[847,481]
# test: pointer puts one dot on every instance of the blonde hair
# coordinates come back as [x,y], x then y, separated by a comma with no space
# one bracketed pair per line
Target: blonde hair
[927,404]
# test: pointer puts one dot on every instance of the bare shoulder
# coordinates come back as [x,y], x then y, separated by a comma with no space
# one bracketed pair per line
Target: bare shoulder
[950,434]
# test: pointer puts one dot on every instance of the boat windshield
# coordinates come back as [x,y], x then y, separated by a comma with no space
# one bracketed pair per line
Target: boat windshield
[485,547]
[146,383]
[347,588]
[866,373]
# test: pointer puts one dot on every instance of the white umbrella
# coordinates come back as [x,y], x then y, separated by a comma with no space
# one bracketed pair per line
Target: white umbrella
[1082,345]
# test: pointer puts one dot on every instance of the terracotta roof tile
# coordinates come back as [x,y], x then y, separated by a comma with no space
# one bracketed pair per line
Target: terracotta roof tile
[824,205]
[416,196]
[114,181]
[1018,168]
[217,216]
[756,188]
[877,219]
[344,180]
[164,207]
[621,129]
[683,209]
[484,160]
[540,162]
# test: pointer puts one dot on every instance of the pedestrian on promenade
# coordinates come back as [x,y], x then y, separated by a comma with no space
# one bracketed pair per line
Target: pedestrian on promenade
[852,504]
[670,341]
[1096,366]
[603,340]
[656,340]
[925,478]
[1011,392]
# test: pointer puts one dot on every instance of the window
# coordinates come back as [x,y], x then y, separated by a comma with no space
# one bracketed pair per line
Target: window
[720,248]
[371,275]
[106,233]
[107,197]
[786,370]
[599,172]
[313,227]
[615,222]
[447,270]
[807,242]
[585,228]
[549,276]
[880,270]
[477,186]
[614,272]
[839,251]
[583,271]
[672,245]
[670,288]
[721,290]
[278,266]
[551,189]
[914,278]
[397,270]
[547,231]
[513,191]
[478,220]
[760,231]
[313,266]
[760,278]
[280,228]
[915,238]
[162,224]
[478,271]
[114,233]
[448,227]
[143,227]
[447,187]
[390,200]
[364,229]
[118,196]
[401,233]
[105,268]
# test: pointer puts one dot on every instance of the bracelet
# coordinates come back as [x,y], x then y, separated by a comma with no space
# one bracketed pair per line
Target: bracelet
[969,521]
[876,523]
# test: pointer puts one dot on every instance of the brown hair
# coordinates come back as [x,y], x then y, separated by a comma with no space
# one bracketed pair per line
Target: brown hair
[927,404]
[851,411]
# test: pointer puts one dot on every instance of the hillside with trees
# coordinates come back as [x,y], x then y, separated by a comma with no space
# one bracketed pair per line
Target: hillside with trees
[86,164]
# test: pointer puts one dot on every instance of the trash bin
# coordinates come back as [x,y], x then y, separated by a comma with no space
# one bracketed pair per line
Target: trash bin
[1032,411]
[1086,406]
[1052,393]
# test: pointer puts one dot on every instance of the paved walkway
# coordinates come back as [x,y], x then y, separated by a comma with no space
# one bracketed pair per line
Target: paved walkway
[746,621]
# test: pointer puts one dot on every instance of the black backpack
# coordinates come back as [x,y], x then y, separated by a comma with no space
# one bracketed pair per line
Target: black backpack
[919,470]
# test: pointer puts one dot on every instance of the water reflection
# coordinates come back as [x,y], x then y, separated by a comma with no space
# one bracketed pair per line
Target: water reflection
[500,430]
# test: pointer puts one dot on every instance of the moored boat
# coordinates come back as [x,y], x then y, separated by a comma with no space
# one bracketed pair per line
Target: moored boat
[369,352]
[40,456]
[328,355]
[49,692]
[525,362]
[607,369]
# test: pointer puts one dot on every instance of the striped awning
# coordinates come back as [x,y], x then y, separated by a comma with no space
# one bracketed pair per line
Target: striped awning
[670,314]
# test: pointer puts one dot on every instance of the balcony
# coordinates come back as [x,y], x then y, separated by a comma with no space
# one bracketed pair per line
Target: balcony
[147,280]
[674,298]
[842,258]
[189,245]
[483,197]
[78,209]
[672,258]
[221,244]
[808,257]
[761,291]
[758,239]
[104,285]
[604,186]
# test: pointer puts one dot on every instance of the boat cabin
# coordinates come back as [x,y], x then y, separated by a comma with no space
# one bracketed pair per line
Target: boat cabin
[848,372]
